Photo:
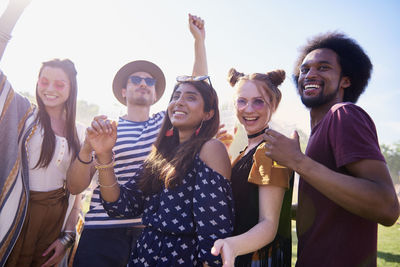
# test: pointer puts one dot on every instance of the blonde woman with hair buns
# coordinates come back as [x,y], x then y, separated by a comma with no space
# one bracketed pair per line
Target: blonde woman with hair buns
[262,189]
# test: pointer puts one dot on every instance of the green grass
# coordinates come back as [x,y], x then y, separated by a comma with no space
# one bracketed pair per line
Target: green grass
[388,245]
[294,243]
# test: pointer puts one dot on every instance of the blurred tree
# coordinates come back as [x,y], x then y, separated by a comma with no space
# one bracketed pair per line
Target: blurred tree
[85,112]
[392,157]
[303,140]
[31,98]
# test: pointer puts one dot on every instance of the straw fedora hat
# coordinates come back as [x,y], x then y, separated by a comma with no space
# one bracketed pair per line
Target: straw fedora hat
[123,74]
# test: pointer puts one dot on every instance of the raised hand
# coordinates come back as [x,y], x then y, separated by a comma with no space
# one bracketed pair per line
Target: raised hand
[102,134]
[286,151]
[8,20]
[196,26]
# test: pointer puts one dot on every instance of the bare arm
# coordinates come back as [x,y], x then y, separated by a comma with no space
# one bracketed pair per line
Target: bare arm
[196,26]
[80,174]
[72,220]
[8,20]
[270,203]
[109,187]
[102,137]
[368,192]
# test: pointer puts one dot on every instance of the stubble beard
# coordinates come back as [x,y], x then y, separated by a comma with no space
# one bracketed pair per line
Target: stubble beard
[140,101]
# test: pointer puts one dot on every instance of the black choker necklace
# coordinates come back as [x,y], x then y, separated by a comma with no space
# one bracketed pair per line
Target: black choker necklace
[257,134]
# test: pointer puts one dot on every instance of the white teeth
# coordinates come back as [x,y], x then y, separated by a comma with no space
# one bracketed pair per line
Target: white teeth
[311,86]
[51,96]
[179,113]
[250,118]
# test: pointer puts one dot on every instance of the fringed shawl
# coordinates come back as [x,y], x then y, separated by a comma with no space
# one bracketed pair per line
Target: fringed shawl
[16,121]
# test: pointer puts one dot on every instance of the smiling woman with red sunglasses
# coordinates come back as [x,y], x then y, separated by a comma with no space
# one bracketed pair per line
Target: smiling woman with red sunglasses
[258,184]
[38,142]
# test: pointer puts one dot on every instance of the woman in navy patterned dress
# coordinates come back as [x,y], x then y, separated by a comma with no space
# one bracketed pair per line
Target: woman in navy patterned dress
[182,188]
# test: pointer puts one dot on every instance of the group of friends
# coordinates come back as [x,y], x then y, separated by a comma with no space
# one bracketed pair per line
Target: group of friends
[165,192]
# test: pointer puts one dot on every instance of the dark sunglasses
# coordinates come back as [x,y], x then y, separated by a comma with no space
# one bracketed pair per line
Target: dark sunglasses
[137,80]
[186,78]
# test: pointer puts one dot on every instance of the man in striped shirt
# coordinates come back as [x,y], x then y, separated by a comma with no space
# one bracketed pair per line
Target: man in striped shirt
[107,241]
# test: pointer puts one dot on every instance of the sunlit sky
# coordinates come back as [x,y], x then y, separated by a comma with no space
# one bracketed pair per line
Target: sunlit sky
[253,36]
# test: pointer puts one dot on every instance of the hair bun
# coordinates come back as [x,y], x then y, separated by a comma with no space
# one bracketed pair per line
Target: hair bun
[233,76]
[276,76]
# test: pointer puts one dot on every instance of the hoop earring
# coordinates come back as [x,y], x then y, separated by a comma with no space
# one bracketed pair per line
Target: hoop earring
[198,129]
[169,132]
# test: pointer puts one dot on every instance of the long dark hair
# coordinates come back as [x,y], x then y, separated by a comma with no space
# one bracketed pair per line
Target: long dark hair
[170,160]
[43,118]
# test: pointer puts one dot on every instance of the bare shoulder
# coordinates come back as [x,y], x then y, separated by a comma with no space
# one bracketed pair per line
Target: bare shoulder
[214,154]
[211,148]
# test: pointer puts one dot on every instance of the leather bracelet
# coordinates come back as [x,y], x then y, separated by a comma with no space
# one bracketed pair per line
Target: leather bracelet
[85,162]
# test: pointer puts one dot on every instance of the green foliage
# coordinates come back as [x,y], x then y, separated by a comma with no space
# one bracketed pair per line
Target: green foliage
[85,112]
[303,140]
[31,98]
[392,157]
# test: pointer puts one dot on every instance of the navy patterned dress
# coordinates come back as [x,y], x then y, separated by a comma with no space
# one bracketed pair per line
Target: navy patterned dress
[182,223]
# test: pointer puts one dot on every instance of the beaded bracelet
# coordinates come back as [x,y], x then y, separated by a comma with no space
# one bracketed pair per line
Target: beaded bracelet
[111,164]
[85,162]
[107,186]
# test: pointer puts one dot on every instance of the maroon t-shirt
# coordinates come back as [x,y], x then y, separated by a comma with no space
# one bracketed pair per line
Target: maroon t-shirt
[328,234]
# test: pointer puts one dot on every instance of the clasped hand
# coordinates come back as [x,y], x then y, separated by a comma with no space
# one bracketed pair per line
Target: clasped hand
[102,134]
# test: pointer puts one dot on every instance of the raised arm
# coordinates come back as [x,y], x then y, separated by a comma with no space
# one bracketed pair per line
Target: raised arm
[102,137]
[196,26]
[8,20]
[99,138]
[81,170]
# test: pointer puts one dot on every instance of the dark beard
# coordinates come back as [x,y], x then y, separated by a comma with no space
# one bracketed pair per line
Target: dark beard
[321,99]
